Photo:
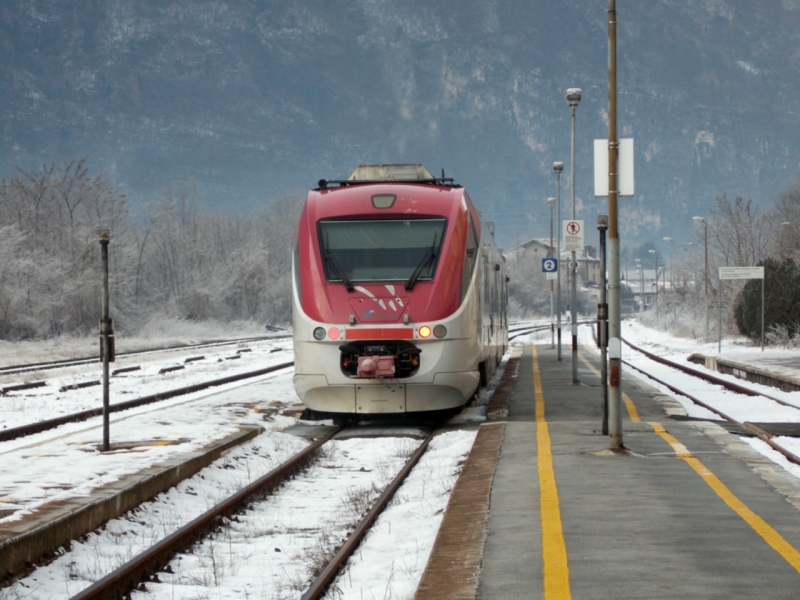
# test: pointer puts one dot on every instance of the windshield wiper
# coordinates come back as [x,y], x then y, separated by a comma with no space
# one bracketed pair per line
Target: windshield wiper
[430,256]
[337,268]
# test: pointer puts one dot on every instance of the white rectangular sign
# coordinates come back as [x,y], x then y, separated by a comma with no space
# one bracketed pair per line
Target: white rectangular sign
[572,235]
[552,276]
[741,272]
[624,166]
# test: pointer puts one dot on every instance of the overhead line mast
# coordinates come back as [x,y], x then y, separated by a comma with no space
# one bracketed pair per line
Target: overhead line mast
[614,305]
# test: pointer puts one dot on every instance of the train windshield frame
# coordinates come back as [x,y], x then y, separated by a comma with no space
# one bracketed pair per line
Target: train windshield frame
[381,250]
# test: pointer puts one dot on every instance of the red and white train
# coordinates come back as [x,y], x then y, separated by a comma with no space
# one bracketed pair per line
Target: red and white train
[399,295]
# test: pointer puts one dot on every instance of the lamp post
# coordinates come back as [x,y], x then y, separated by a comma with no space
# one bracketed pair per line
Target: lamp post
[551,202]
[655,253]
[784,225]
[558,167]
[638,262]
[573,99]
[671,279]
[705,250]
[673,294]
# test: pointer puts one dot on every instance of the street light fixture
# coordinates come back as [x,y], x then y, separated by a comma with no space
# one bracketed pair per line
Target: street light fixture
[558,167]
[551,202]
[705,250]
[573,100]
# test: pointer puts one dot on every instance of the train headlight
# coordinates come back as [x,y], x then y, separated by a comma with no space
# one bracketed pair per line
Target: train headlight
[440,331]
[424,331]
[319,334]
[333,333]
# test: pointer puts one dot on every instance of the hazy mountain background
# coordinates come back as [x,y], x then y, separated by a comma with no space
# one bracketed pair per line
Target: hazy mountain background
[249,99]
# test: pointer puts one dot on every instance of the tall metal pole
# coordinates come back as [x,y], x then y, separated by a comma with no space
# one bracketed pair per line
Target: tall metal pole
[641,290]
[550,203]
[614,304]
[763,283]
[573,99]
[719,297]
[664,282]
[705,249]
[671,281]
[602,320]
[105,333]
[655,253]
[558,167]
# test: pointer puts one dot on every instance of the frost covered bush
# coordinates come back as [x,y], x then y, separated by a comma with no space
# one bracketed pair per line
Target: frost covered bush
[173,261]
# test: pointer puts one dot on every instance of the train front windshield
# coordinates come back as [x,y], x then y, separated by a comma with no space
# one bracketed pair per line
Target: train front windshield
[390,250]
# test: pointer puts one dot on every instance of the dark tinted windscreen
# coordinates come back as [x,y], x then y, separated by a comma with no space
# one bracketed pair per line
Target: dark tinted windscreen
[381,250]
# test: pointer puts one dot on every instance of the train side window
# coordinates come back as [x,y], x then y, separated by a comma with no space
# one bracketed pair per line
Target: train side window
[470,257]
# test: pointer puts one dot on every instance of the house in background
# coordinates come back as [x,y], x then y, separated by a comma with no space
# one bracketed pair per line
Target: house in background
[538,248]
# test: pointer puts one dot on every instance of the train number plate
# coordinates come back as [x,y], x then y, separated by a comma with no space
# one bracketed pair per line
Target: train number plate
[380,398]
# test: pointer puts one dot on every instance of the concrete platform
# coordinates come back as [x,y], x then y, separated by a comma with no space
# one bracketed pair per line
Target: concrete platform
[690,511]
[779,372]
[40,534]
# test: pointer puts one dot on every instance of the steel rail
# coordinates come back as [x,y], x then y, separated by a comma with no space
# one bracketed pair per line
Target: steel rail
[754,429]
[119,582]
[329,573]
[72,362]
[729,385]
[533,328]
[31,428]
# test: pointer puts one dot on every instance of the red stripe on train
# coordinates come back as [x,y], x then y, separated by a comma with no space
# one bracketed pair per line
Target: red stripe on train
[379,334]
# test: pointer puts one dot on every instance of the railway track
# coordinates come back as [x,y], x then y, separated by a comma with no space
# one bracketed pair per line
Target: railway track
[144,566]
[72,362]
[143,570]
[12,433]
[746,427]
[533,328]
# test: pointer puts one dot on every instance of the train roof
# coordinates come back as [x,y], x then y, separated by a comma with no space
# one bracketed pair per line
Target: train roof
[390,173]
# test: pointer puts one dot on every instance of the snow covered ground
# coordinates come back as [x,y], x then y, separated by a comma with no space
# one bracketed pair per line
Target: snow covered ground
[267,553]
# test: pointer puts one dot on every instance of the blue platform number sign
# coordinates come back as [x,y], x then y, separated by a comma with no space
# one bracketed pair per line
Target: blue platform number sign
[549,265]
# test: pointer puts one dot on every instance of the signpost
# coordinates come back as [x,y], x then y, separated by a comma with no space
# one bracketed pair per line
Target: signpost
[741,273]
[550,267]
[573,242]
[624,164]
[573,235]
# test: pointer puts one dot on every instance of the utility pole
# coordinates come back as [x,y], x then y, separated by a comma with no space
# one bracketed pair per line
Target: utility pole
[614,306]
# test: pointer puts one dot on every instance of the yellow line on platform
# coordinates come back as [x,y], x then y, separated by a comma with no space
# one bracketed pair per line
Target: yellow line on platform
[759,525]
[632,412]
[775,540]
[554,549]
